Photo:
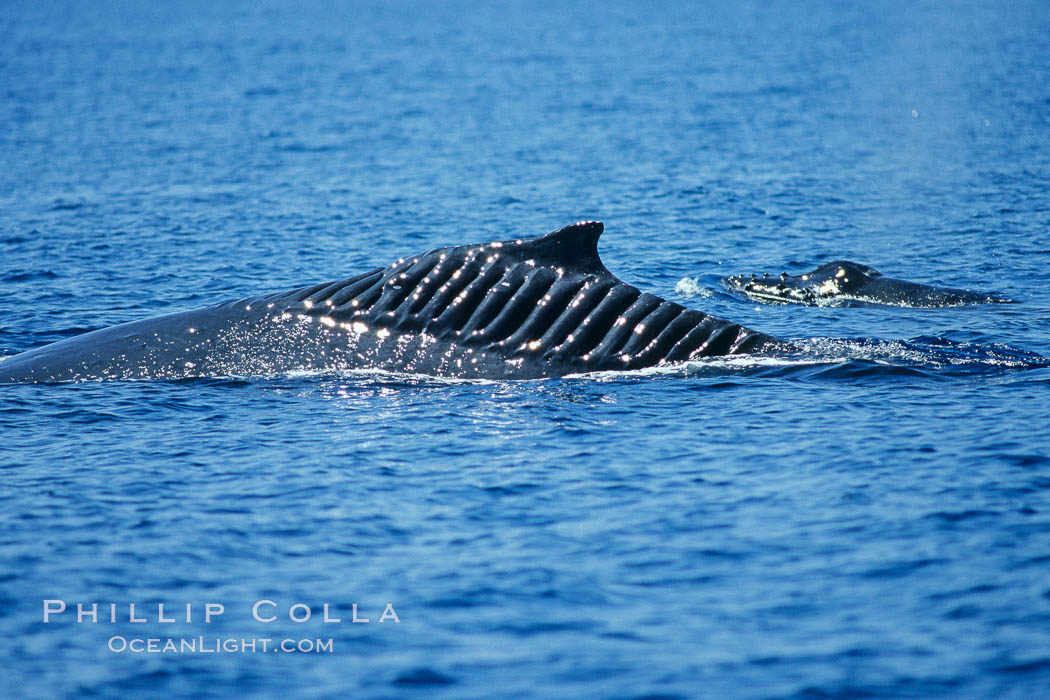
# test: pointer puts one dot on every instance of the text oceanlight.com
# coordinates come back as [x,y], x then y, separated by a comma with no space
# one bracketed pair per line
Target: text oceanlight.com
[218,645]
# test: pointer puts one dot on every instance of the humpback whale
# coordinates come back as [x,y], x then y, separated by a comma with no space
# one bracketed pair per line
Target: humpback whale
[843,282]
[514,309]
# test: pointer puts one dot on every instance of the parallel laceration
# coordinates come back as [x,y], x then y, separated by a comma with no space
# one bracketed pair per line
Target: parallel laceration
[547,299]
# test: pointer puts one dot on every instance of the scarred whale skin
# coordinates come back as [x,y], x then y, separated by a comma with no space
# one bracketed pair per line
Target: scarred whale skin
[517,309]
[842,282]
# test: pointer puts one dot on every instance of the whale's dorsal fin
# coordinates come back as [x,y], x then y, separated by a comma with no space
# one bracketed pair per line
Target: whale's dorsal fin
[574,247]
[582,232]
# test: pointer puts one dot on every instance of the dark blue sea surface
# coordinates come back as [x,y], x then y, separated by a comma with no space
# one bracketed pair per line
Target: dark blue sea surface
[871,518]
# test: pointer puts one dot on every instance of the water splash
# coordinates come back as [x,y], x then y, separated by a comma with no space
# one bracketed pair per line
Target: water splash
[689,287]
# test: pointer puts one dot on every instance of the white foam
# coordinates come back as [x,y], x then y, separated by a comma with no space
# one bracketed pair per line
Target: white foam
[690,287]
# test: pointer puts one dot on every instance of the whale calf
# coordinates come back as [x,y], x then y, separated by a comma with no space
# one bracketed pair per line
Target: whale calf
[514,309]
[843,282]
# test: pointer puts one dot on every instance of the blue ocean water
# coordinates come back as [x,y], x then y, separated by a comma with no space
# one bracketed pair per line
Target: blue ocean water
[871,521]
